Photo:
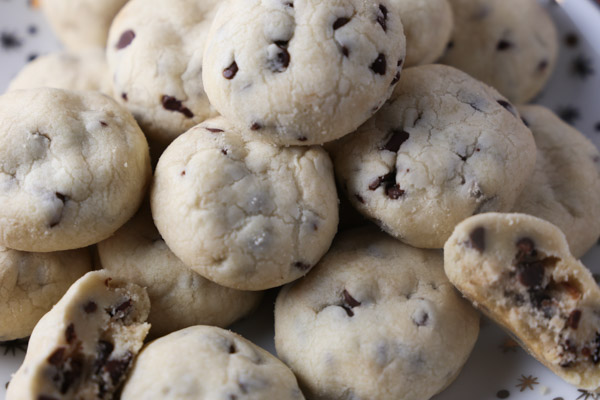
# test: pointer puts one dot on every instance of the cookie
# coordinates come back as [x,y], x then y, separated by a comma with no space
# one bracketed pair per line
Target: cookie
[71,70]
[180,297]
[511,45]
[82,23]
[302,72]
[376,319]
[565,186]
[443,148]
[84,347]
[244,214]
[74,168]
[427,27]
[155,57]
[31,283]
[518,270]
[224,366]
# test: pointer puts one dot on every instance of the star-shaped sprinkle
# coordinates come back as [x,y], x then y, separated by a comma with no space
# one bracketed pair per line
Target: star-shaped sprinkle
[582,67]
[13,345]
[527,382]
[568,114]
[585,395]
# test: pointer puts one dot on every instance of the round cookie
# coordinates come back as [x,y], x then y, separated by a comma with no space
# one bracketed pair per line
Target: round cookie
[244,214]
[443,148]
[511,45]
[84,347]
[74,168]
[81,23]
[224,365]
[517,269]
[31,283]
[376,319]
[78,70]
[180,297]
[565,186]
[302,72]
[427,27]
[155,57]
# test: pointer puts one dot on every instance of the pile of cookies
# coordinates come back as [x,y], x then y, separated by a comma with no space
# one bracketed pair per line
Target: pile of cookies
[182,156]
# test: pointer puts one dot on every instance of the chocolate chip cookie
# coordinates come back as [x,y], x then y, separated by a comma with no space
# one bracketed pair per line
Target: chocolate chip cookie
[302,72]
[518,270]
[376,319]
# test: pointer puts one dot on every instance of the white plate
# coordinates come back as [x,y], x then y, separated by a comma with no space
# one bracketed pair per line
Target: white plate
[497,369]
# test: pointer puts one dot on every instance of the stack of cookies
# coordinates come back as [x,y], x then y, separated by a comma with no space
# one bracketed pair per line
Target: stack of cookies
[195,153]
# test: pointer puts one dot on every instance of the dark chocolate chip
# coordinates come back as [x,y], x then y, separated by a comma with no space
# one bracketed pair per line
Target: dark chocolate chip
[477,239]
[125,39]
[57,357]
[389,180]
[121,310]
[398,137]
[117,368]
[531,275]
[124,96]
[71,375]
[348,310]
[281,60]
[503,44]
[214,130]
[340,22]
[172,104]
[345,51]
[182,173]
[224,151]
[573,320]
[396,78]
[509,107]
[526,250]
[231,71]
[359,198]
[90,307]
[379,65]
[103,351]
[349,300]
[382,17]
[103,123]
[70,334]
[394,192]
[232,348]
[302,266]
[255,126]
[302,139]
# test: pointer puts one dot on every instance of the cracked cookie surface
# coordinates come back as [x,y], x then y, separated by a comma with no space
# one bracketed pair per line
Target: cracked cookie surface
[518,269]
[155,58]
[444,147]
[224,366]
[511,45]
[302,72]
[180,297]
[244,214]
[31,283]
[74,167]
[376,319]
[84,347]
[565,186]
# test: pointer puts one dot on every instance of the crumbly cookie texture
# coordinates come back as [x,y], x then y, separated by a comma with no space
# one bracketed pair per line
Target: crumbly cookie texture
[518,270]
[83,23]
[84,347]
[72,70]
[223,365]
[74,167]
[565,186]
[376,319]
[302,72]
[244,214]
[443,148]
[427,26]
[31,283]
[511,45]
[180,297]
[155,57]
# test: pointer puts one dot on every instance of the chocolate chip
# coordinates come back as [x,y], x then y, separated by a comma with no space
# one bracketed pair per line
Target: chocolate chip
[573,320]
[349,300]
[104,124]
[172,104]
[302,139]
[182,173]
[394,192]
[345,51]
[379,65]
[279,61]
[124,96]
[70,334]
[531,275]
[477,239]
[503,45]
[526,250]
[396,78]
[121,310]
[90,307]
[398,137]
[125,39]
[382,17]
[214,130]
[71,373]
[103,351]
[231,71]
[255,126]
[340,22]
[389,180]
[348,310]
[301,266]
[224,151]
[57,357]
[117,368]
[107,282]
[359,198]
[509,107]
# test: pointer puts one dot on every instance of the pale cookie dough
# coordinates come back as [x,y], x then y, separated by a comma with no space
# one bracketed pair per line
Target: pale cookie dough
[518,269]
[180,297]
[376,320]
[76,70]
[155,57]
[74,167]
[565,186]
[206,362]
[84,347]
[511,45]
[244,214]
[427,26]
[81,23]
[443,148]
[302,71]
[31,283]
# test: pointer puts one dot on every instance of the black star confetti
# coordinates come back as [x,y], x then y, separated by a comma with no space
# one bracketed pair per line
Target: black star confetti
[13,345]
[585,395]
[527,382]
[581,67]
[568,114]
[9,40]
